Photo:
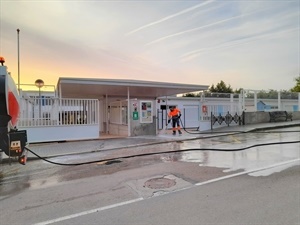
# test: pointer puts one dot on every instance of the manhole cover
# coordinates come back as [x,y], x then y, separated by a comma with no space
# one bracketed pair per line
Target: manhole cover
[158,183]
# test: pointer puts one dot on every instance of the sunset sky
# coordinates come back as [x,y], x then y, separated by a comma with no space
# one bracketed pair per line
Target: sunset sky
[247,44]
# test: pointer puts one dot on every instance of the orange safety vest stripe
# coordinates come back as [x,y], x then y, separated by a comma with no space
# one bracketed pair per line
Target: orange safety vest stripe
[175,112]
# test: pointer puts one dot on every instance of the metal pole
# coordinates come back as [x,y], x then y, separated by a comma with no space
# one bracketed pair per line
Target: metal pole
[18,32]
[106,113]
[255,101]
[279,100]
[166,112]
[128,113]
[299,101]
[60,107]
[40,103]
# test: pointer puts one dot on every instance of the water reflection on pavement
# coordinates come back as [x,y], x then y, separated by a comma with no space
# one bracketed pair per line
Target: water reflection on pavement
[253,158]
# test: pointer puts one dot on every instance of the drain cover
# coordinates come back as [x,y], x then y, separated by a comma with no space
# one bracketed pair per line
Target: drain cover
[159,183]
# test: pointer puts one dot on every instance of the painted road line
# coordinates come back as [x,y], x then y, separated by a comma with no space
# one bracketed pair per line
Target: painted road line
[248,171]
[89,212]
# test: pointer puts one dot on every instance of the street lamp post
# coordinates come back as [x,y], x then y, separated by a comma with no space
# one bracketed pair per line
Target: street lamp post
[39,83]
[18,34]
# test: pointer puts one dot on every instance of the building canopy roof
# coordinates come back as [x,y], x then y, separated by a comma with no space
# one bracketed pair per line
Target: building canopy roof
[95,88]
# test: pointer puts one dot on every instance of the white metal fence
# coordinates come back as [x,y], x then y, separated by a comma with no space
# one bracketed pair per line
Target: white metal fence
[267,101]
[51,111]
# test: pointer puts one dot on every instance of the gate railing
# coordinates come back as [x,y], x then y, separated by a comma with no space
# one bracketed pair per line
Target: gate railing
[227,119]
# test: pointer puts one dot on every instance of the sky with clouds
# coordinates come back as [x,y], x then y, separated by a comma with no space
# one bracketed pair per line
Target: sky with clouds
[247,44]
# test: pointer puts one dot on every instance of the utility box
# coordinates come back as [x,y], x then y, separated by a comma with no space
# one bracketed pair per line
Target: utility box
[18,140]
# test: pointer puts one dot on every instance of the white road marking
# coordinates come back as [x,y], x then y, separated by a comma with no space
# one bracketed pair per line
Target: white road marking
[89,212]
[140,199]
[247,171]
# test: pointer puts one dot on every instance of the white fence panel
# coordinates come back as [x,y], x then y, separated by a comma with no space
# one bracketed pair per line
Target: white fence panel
[190,116]
[54,111]
[49,119]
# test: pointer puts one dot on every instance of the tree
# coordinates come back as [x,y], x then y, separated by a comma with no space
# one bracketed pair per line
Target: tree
[271,94]
[238,91]
[221,88]
[296,88]
[191,95]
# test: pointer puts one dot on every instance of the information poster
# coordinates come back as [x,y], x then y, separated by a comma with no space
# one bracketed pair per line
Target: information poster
[146,112]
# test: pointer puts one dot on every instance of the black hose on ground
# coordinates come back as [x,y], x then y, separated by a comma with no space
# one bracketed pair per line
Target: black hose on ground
[165,152]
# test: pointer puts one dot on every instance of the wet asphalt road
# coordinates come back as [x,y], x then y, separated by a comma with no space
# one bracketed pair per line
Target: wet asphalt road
[170,188]
[271,200]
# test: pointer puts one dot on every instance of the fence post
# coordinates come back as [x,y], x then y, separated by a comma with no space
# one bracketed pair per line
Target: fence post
[299,101]
[255,101]
[211,120]
[183,117]
[231,103]
[279,100]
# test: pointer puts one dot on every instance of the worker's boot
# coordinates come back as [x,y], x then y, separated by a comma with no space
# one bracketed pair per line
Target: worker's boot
[174,132]
[179,132]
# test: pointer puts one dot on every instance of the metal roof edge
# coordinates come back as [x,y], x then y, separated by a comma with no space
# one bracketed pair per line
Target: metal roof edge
[132,83]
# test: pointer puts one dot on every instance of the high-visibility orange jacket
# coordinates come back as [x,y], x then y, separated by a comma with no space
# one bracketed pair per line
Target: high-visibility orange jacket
[174,112]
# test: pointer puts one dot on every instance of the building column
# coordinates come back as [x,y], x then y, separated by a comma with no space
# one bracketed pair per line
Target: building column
[128,113]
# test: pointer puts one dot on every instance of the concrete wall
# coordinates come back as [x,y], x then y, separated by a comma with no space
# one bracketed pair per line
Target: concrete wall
[118,129]
[256,117]
[138,128]
[61,133]
[263,117]
[296,115]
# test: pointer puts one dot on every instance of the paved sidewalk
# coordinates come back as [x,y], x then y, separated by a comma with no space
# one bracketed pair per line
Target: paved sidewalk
[164,136]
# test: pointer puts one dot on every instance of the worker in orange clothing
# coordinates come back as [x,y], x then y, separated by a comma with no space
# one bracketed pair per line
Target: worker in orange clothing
[175,115]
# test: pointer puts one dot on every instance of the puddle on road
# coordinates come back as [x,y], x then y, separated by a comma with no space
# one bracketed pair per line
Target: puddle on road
[250,159]
[13,185]
[17,178]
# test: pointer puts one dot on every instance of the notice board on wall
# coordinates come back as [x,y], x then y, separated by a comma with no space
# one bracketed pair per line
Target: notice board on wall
[146,112]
